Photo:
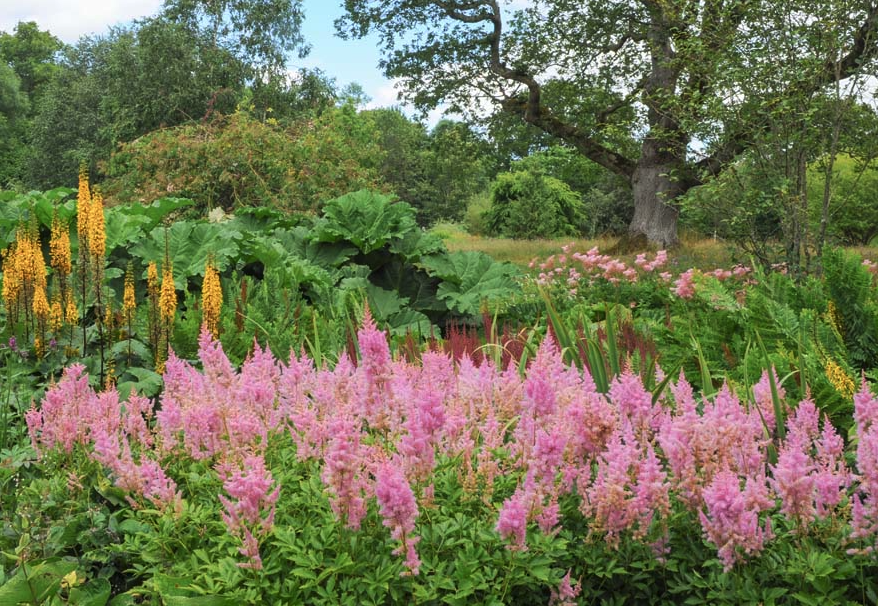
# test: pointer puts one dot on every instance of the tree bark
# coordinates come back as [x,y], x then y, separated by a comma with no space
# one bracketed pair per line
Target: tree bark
[652,188]
[656,179]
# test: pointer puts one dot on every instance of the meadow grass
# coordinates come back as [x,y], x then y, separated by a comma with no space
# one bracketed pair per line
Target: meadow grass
[694,250]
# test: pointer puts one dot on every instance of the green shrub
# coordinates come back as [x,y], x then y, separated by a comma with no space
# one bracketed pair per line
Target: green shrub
[528,205]
[476,212]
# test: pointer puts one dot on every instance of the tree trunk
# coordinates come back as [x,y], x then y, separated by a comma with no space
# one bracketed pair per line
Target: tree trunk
[656,177]
[652,217]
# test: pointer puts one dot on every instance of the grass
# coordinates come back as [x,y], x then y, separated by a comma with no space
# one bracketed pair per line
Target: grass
[694,251]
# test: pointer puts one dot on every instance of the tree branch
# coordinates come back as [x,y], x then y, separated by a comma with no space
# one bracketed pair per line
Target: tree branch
[864,47]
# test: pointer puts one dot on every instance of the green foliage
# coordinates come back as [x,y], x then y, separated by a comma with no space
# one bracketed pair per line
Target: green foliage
[531,205]
[366,219]
[850,288]
[470,278]
[607,204]
[236,160]
[853,208]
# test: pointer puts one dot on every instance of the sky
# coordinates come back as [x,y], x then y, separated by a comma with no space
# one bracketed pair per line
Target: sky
[346,61]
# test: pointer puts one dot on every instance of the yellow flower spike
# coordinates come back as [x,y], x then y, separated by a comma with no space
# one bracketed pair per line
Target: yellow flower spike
[56,314]
[59,247]
[834,318]
[83,208]
[41,307]
[152,279]
[211,299]
[108,315]
[839,379]
[129,303]
[168,294]
[97,235]
[12,278]
[71,314]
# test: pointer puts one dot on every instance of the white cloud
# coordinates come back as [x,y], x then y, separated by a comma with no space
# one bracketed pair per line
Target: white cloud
[70,19]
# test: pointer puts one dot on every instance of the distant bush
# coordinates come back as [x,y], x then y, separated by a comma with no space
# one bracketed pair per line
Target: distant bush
[236,160]
[477,207]
[530,205]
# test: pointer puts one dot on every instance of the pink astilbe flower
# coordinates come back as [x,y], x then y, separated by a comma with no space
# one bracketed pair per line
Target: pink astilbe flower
[399,510]
[424,425]
[632,400]
[793,480]
[512,521]
[629,489]
[343,472]
[731,521]
[250,506]
[811,476]
[566,593]
[864,515]
[63,418]
[697,447]
[684,287]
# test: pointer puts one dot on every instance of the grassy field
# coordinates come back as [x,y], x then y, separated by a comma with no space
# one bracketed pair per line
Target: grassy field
[693,251]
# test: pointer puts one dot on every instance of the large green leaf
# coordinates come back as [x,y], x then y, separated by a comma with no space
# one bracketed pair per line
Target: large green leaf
[297,271]
[468,278]
[189,245]
[417,244]
[368,220]
[40,582]
[124,228]
[159,209]
[410,321]
[411,283]
[93,593]
[384,303]
[300,242]
[45,204]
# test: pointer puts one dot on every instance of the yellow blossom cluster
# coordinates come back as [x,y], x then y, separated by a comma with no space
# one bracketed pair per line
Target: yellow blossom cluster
[168,294]
[211,299]
[129,303]
[59,248]
[834,318]
[839,379]
[24,273]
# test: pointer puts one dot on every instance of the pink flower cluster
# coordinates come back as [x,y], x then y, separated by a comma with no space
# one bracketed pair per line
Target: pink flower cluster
[249,513]
[380,426]
[73,414]
[865,500]
[573,270]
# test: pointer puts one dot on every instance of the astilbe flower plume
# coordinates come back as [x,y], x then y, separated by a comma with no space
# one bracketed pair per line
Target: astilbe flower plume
[731,521]
[865,500]
[566,593]
[249,509]
[810,476]
[399,511]
[344,473]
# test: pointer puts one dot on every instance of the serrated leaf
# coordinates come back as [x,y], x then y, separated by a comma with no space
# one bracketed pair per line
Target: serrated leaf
[189,245]
[384,303]
[468,278]
[369,220]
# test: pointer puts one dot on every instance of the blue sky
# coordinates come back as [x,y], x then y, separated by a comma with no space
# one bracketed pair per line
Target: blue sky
[346,61]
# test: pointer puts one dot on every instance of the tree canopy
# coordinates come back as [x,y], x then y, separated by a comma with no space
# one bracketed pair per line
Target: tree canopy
[695,82]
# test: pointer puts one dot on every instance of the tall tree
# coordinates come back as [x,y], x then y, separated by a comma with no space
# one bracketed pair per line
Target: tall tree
[577,70]
[31,52]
